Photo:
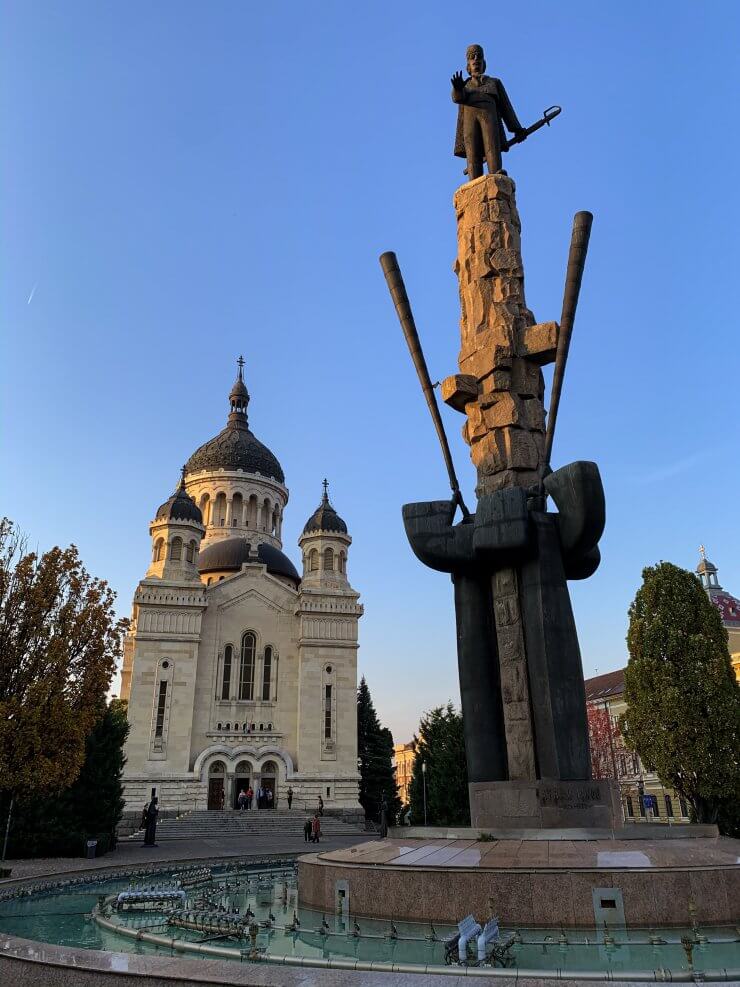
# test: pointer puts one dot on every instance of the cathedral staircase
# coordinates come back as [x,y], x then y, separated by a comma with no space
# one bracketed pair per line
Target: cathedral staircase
[265,823]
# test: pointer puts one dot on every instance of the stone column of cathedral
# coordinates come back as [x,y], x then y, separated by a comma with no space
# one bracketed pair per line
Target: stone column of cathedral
[500,389]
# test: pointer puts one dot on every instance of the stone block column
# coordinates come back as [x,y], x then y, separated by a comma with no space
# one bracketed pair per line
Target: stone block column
[500,386]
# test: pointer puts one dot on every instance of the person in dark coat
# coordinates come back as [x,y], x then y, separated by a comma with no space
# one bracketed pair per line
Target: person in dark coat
[307,830]
[151,822]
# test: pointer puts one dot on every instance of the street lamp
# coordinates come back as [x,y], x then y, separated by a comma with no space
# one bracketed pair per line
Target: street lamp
[424,785]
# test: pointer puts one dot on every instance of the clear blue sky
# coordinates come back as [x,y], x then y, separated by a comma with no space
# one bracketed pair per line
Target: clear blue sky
[187,181]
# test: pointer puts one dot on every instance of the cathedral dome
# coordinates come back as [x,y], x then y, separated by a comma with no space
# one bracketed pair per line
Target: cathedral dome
[180,506]
[229,554]
[235,447]
[325,518]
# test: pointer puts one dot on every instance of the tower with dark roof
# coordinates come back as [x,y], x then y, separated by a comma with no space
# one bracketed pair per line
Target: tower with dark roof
[176,533]
[325,543]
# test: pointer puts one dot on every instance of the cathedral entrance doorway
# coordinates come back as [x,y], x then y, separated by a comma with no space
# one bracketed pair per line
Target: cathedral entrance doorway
[269,781]
[242,779]
[216,785]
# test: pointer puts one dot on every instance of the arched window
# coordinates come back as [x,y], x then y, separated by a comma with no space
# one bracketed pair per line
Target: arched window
[269,727]
[246,666]
[158,547]
[329,559]
[190,555]
[219,510]
[205,508]
[218,726]
[266,675]
[237,510]
[327,712]
[313,560]
[176,549]
[161,708]
[226,678]
[227,727]
[342,561]
[265,515]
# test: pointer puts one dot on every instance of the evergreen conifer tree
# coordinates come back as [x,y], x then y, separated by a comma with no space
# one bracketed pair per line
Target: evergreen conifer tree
[375,755]
[441,744]
[91,808]
[683,702]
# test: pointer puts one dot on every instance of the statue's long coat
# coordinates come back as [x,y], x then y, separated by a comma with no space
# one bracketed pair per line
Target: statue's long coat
[506,115]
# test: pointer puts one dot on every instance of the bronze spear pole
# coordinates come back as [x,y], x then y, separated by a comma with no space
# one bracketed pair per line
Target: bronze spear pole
[573,276]
[394,280]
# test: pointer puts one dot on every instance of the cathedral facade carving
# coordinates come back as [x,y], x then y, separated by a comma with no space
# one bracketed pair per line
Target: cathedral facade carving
[238,670]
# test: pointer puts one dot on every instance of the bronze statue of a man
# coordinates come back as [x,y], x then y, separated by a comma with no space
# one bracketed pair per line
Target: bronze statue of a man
[484,108]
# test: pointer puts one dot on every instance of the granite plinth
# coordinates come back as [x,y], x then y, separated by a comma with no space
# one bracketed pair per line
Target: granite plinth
[531,883]
[545,804]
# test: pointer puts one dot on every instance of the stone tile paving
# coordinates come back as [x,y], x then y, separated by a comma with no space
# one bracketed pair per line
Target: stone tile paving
[130,853]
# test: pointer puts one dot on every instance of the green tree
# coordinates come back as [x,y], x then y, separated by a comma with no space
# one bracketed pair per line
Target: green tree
[59,824]
[375,756]
[59,641]
[683,703]
[440,744]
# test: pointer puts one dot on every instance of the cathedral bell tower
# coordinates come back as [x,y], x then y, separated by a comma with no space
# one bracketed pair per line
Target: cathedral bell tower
[324,544]
[160,651]
[329,610]
[176,533]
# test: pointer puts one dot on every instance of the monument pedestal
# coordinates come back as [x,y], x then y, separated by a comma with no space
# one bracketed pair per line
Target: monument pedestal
[545,804]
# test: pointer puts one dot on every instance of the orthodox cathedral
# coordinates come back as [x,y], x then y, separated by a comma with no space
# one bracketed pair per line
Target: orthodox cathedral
[239,670]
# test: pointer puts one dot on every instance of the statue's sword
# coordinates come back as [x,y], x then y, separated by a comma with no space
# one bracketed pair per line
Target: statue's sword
[394,280]
[550,113]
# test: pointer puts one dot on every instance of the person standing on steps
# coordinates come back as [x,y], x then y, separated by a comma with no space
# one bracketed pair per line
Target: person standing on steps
[321,806]
[307,830]
[290,798]
[250,797]
[316,829]
[151,822]
[268,798]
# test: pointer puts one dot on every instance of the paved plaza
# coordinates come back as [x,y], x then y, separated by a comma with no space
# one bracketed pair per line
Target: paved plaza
[131,852]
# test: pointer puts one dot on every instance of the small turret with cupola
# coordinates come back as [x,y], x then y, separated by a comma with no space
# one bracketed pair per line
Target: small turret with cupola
[176,533]
[324,544]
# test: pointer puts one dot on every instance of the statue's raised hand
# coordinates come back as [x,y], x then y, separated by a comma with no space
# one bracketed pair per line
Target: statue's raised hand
[458,83]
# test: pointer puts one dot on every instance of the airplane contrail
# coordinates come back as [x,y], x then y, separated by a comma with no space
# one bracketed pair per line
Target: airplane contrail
[33,292]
